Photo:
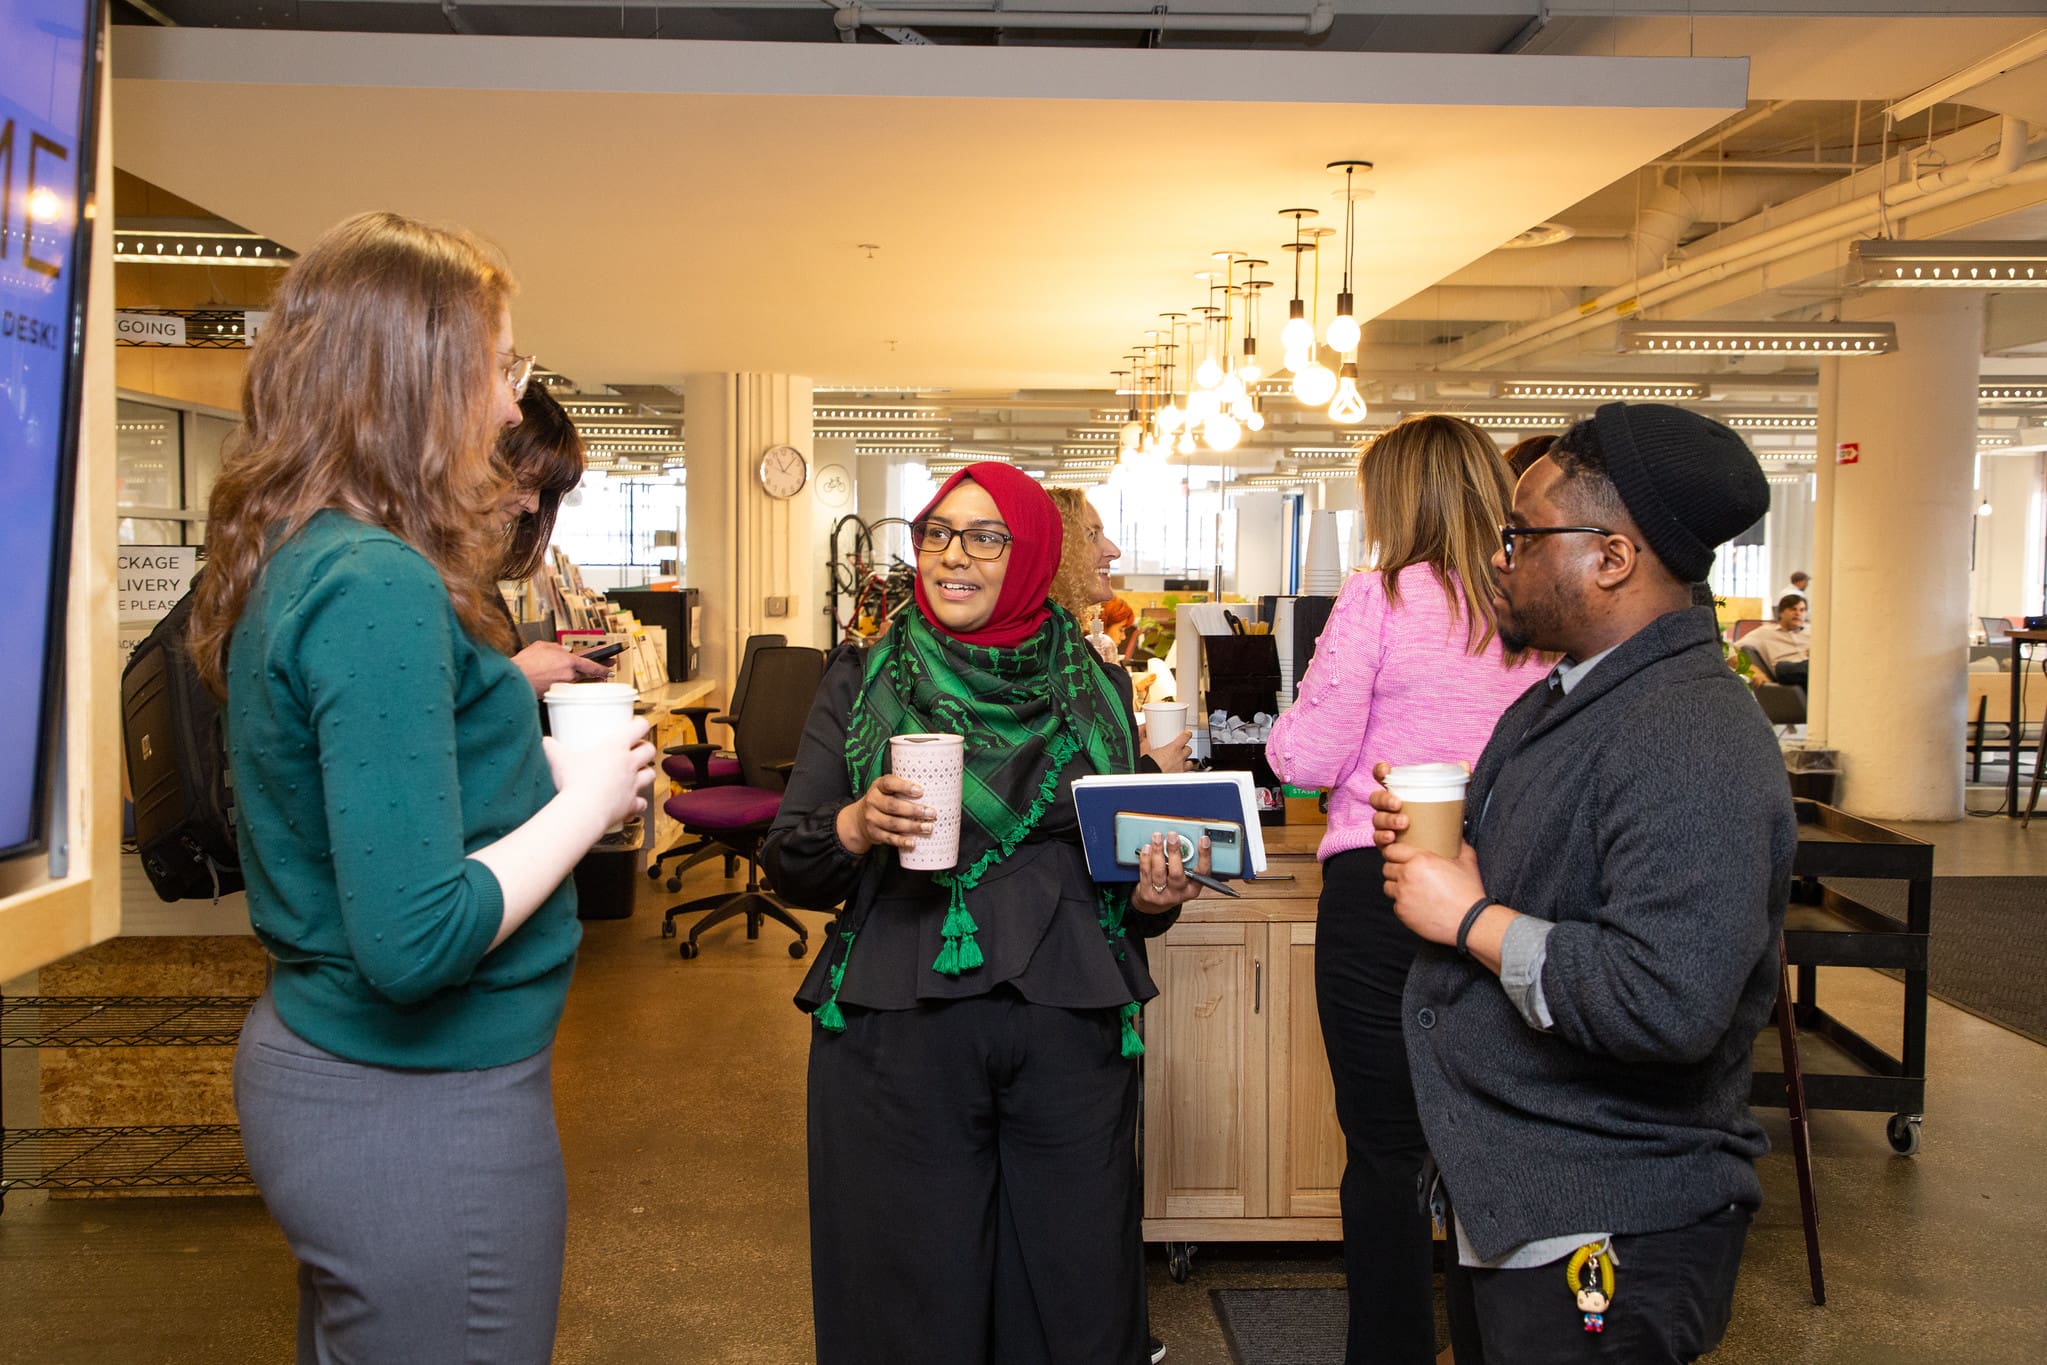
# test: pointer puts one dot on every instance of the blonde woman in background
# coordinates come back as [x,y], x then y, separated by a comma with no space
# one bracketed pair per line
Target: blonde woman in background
[1410,669]
[1082,585]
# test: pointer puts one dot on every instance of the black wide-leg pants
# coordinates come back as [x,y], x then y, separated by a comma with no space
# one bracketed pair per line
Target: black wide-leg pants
[1362,953]
[973,1187]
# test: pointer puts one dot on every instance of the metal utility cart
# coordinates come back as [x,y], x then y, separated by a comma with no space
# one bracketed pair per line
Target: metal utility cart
[1825,927]
[132,1156]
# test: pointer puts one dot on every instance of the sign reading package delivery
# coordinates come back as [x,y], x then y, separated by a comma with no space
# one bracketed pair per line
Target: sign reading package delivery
[46,146]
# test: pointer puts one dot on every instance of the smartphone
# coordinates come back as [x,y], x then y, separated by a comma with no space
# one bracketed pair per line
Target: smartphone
[1225,840]
[604,654]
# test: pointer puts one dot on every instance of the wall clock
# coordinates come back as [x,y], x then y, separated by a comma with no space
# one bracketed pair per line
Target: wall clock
[783,471]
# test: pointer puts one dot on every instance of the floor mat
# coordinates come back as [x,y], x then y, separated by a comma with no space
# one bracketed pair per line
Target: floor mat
[1988,953]
[1283,1326]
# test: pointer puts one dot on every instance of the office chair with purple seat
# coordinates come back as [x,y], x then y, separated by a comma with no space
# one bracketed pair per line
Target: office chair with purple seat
[736,817]
[701,764]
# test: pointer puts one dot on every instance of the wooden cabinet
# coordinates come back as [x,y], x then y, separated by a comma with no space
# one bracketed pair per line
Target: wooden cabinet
[1240,1135]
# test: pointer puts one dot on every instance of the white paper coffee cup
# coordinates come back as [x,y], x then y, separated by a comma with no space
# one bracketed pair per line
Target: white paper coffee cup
[1163,722]
[1432,798]
[587,715]
[936,763]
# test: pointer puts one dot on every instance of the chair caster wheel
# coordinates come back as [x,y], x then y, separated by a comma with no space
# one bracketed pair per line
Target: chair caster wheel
[798,948]
[1179,1261]
[1903,1132]
[654,873]
[688,950]
[674,885]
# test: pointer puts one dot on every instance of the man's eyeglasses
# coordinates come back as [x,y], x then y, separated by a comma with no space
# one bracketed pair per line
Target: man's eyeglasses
[518,372]
[1509,534]
[933,536]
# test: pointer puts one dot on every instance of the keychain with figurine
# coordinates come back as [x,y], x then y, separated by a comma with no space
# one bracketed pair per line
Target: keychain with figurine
[1590,1272]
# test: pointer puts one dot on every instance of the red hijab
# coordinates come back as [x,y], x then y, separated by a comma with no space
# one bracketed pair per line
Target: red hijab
[1036,531]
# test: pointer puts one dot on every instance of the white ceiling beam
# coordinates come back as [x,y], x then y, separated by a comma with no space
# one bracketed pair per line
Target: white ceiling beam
[2022,53]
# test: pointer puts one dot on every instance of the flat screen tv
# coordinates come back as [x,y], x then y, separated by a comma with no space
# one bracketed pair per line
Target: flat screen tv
[49,83]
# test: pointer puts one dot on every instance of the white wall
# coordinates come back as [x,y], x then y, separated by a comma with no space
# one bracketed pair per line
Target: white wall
[2006,580]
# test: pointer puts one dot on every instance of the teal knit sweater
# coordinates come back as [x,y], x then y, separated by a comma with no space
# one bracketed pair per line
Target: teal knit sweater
[374,745]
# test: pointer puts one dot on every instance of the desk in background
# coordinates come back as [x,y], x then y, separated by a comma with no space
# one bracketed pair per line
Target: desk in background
[2019,640]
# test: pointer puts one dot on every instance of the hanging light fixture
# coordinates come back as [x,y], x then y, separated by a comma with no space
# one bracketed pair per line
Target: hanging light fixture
[1314,383]
[1343,328]
[1348,406]
[1250,372]
[1298,335]
[1127,435]
[1170,416]
[1210,372]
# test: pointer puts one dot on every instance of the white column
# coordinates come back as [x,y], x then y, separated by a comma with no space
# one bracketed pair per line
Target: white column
[1897,607]
[1819,593]
[750,553]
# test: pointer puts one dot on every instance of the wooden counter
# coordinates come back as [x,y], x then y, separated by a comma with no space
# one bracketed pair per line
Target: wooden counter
[1240,1137]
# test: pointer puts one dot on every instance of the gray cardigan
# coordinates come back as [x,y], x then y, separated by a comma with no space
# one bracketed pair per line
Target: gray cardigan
[1647,816]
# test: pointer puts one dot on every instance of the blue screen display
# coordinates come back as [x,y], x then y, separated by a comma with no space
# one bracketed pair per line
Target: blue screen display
[44,154]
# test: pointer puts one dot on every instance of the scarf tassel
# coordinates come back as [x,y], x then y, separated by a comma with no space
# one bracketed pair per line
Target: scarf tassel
[828,1015]
[962,951]
[1133,1046]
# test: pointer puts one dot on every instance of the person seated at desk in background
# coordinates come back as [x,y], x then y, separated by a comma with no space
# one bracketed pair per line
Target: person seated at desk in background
[1784,648]
[543,460]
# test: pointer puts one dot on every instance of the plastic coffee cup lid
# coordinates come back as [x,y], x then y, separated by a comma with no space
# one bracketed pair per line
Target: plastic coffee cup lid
[590,694]
[1427,781]
[927,739]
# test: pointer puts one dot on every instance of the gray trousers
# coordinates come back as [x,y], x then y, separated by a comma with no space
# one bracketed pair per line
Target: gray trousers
[427,1209]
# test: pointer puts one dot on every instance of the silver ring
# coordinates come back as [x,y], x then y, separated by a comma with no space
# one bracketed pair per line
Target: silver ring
[1158,888]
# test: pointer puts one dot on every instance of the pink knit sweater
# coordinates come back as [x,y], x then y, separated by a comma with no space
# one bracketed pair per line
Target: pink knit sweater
[1389,685]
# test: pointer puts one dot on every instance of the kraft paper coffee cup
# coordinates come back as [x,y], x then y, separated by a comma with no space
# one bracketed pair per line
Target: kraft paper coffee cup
[936,763]
[1163,722]
[587,715]
[1432,798]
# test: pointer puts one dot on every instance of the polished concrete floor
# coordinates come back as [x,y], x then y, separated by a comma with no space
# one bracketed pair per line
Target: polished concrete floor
[679,1086]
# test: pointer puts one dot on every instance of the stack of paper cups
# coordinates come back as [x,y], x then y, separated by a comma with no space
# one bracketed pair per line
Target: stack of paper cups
[936,763]
[1322,569]
[586,715]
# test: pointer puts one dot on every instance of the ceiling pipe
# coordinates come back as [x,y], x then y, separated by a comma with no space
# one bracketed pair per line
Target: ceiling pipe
[1316,21]
[1481,303]
[1900,201]
[1676,206]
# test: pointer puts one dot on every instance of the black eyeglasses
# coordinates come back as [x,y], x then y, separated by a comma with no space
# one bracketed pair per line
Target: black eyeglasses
[934,536]
[1508,534]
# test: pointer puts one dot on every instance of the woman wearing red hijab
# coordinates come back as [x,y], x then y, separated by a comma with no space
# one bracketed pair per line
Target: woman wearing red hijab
[973,1099]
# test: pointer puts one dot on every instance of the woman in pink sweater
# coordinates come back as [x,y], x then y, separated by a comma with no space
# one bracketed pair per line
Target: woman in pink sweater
[1409,670]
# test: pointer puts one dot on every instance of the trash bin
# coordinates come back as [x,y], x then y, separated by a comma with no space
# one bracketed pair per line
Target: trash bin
[1815,774]
[605,877]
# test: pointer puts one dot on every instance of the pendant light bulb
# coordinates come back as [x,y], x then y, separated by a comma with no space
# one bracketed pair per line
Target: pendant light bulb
[1299,333]
[1348,406]
[1222,432]
[1185,445]
[1343,328]
[1210,374]
[1132,432]
[1295,361]
[1231,390]
[1170,418]
[1314,384]
[1256,421]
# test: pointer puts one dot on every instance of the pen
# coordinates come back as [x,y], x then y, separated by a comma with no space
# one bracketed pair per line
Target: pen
[1211,883]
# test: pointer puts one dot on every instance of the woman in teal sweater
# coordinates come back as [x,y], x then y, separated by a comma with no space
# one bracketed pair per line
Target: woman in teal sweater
[406,833]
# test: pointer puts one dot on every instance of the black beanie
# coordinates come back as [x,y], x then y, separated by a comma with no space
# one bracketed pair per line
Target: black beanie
[1689,482]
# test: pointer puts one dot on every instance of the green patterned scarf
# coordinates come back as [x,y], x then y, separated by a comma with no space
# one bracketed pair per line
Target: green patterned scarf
[1025,713]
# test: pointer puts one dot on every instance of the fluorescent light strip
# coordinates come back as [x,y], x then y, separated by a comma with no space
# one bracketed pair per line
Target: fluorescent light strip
[1323,452]
[1514,421]
[835,414]
[1991,439]
[1664,393]
[1769,421]
[2011,393]
[1887,264]
[1758,338]
[198,248]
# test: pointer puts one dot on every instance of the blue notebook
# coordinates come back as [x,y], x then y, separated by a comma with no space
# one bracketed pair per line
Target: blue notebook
[1195,796]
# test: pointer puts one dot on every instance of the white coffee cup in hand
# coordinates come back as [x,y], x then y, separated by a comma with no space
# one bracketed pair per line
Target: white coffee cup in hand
[598,747]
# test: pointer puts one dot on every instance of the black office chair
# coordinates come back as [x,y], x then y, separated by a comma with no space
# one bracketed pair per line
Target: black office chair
[700,764]
[1757,662]
[1782,705]
[780,689]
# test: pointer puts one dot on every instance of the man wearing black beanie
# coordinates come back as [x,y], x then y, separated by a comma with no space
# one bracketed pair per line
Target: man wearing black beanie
[1600,956]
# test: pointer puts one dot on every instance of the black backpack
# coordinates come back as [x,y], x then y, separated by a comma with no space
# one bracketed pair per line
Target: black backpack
[172,732]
